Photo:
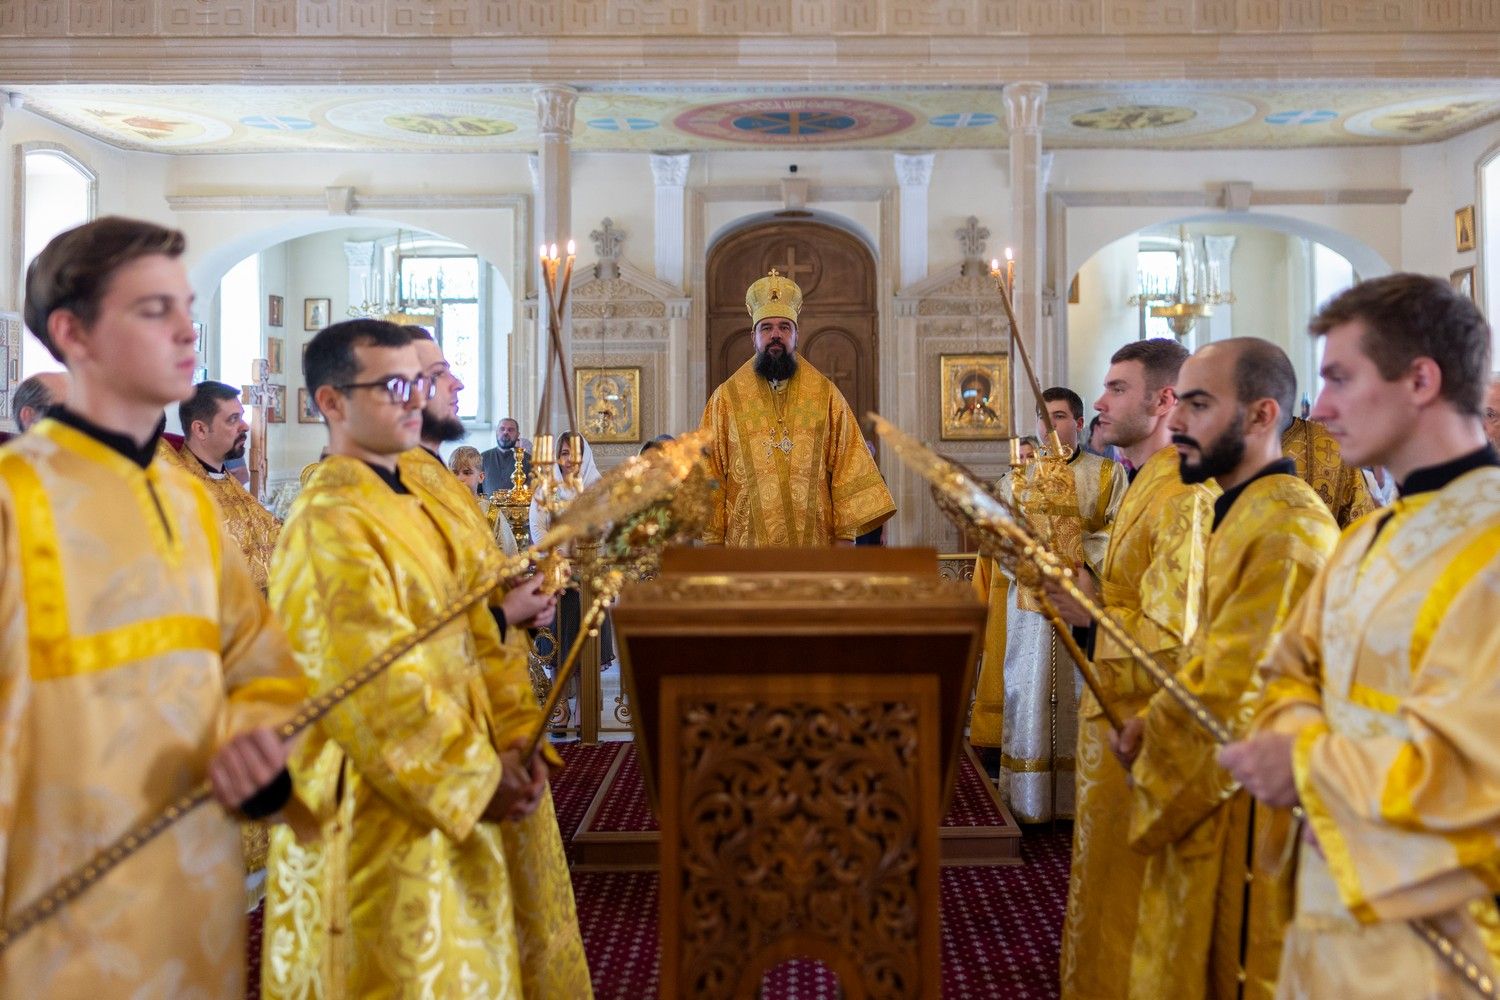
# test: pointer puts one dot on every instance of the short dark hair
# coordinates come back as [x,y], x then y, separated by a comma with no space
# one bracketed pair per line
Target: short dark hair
[203,404]
[73,271]
[31,393]
[1162,359]
[329,359]
[421,333]
[1263,371]
[1411,316]
[1060,393]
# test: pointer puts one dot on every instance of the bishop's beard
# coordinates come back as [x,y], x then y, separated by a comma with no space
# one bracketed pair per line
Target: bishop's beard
[442,429]
[775,367]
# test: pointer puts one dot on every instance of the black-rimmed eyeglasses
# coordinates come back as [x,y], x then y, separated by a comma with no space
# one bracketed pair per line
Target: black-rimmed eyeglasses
[399,388]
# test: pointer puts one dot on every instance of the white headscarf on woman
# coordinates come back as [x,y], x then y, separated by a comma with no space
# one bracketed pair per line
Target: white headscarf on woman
[588,474]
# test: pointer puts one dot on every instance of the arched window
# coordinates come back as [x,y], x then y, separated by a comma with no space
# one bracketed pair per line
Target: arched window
[57,193]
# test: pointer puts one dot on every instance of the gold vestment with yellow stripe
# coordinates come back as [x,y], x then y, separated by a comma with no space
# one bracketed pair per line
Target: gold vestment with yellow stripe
[133,643]
[1387,674]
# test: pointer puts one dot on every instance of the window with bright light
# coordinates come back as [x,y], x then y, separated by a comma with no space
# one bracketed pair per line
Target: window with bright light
[1158,276]
[1332,273]
[452,289]
[1489,238]
[57,195]
[239,321]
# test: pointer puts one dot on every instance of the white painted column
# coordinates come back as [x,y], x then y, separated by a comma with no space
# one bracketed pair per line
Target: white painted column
[914,174]
[670,171]
[1024,106]
[360,257]
[1220,258]
[553,183]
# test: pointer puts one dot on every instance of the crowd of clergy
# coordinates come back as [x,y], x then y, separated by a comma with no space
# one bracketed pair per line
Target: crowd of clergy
[1318,585]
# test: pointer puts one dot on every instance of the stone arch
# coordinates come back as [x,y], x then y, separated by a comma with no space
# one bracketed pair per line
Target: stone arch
[827,218]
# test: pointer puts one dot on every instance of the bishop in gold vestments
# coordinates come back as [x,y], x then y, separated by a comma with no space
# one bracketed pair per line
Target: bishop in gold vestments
[133,643]
[1151,582]
[1269,540]
[792,466]
[1387,674]
[1024,666]
[409,892]
[1321,466]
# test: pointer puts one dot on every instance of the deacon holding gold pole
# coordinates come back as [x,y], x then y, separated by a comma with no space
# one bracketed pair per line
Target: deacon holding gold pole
[1381,698]
[792,466]
[1150,583]
[1212,910]
[438,868]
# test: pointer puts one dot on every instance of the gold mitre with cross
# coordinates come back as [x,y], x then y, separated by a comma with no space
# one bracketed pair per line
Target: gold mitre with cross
[772,296]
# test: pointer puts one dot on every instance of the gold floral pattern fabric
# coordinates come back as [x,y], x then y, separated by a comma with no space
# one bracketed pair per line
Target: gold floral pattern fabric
[1187,814]
[1386,674]
[805,480]
[252,527]
[406,891]
[133,642]
[1151,581]
[1023,661]
[1321,466]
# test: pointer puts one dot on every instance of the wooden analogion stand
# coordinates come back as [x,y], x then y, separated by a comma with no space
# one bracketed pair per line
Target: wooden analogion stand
[799,714]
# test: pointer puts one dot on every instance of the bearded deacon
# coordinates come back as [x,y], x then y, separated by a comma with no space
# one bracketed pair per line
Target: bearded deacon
[791,463]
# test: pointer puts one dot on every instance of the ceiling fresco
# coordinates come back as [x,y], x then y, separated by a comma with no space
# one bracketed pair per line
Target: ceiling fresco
[249,119]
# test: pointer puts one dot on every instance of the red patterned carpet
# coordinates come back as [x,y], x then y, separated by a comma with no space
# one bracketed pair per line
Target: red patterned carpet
[1000,925]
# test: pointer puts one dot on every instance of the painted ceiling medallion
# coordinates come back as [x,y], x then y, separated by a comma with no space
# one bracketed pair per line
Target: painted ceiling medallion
[145,126]
[440,122]
[1298,117]
[966,119]
[795,120]
[1425,118]
[1145,116]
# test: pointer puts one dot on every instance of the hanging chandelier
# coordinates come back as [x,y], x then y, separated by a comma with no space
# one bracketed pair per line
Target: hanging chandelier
[1190,296]
[395,302]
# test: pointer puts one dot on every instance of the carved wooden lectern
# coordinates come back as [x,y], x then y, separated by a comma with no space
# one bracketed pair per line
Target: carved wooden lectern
[799,714]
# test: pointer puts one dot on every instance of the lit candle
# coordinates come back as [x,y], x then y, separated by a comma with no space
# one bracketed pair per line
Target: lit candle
[553,255]
[572,249]
[544,251]
[995,267]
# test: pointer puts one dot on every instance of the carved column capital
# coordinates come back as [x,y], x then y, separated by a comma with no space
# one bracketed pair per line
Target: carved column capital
[914,169]
[1025,103]
[554,110]
[671,169]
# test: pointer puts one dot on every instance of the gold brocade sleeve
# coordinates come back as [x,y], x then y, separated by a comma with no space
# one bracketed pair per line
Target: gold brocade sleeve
[1416,816]
[861,501]
[1292,695]
[333,586]
[1177,779]
[260,676]
[1159,607]
[718,463]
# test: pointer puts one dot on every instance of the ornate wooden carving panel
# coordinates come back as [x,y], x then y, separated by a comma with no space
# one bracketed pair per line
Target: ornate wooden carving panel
[798,824]
[839,319]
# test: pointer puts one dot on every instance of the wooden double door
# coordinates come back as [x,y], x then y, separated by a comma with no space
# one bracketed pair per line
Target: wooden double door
[837,328]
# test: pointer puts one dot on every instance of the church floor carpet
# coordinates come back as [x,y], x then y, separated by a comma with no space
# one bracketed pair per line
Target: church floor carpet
[1001,925]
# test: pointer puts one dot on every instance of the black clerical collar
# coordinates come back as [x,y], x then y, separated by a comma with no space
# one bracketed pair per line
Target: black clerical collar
[220,471]
[1435,477]
[390,477]
[434,453]
[140,454]
[1282,466]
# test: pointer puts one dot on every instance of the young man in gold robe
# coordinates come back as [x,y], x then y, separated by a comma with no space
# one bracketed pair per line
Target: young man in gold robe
[792,466]
[1150,583]
[1026,698]
[137,657]
[1321,465]
[1212,912]
[214,432]
[440,869]
[1381,698]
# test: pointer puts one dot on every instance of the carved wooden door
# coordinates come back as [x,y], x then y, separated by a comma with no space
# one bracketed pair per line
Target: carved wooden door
[837,329]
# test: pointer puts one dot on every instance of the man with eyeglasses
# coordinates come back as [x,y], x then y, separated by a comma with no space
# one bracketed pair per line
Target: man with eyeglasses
[433,828]
[1492,412]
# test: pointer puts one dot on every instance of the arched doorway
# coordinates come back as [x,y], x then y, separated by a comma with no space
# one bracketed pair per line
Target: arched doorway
[837,330]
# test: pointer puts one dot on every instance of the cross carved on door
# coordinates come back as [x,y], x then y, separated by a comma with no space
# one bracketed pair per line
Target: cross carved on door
[791,267]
